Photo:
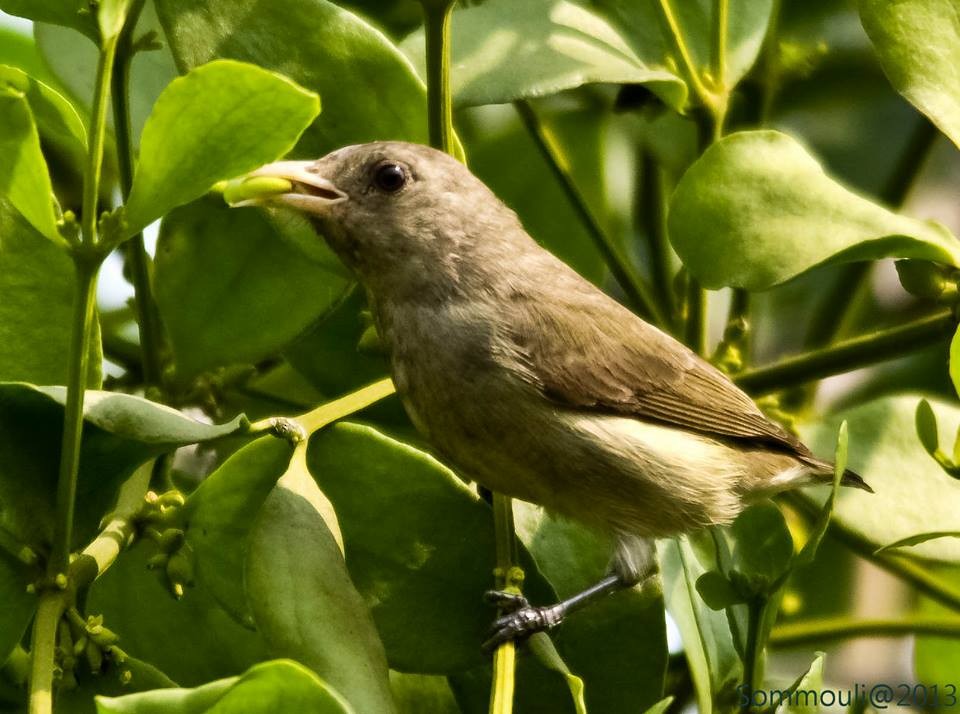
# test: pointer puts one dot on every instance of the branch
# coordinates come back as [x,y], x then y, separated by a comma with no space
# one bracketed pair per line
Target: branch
[795,634]
[848,355]
[636,289]
[135,254]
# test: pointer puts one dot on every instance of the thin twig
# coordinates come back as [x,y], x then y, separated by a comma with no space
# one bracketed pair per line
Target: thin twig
[632,284]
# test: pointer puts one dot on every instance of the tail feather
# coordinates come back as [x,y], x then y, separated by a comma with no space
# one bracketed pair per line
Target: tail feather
[854,480]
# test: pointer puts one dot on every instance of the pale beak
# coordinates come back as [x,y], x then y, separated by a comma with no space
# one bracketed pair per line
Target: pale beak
[292,183]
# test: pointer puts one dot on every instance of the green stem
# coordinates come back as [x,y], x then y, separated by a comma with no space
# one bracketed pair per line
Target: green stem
[652,211]
[673,28]
[439,100]
[752,656]
[504,659]
[635,288]
[848,355]
[135,254]
[98,131]
[43,652]
[79,358]
[87,259]
[920,578]
[770,69]
[809,632]
[695,333]
[721,9]
[838,303]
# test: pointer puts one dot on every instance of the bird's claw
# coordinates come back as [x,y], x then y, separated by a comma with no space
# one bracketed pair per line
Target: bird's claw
[520,620]
[505,601]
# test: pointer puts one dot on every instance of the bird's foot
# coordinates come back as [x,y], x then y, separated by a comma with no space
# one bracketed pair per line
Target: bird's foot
[520,618]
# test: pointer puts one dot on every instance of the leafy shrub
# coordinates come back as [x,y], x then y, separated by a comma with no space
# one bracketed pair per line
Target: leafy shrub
[733,170]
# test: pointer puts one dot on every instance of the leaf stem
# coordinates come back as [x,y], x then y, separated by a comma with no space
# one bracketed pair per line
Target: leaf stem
[632,284]
[135,254]
[807,632]
[653,194]
[439,100]
[505,656]
[848,355]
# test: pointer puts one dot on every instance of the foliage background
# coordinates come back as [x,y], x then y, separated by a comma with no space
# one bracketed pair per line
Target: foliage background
[258,318]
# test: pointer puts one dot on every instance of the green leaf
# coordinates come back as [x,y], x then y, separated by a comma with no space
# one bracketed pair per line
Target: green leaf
[543,649]
[422,694]
[24,180]
[419,546]
[718,592]
[231,289]
[222,119]
[18,604]
[809,681]
[54,114]
[926,420]
[762,547]
[809,551]
[504,51]
[884,447]
[616,646]
[955,361]
[277,686]
[661,706]
[121,432]
[756,210]
[302,598]
[36,306]
[918,43]
[69,13]
[219,515]
[327,354]
[707,643]
[370,91]
[644,22]
[192,640]
[19,50]
[936,659]
[108,683]
[918,539]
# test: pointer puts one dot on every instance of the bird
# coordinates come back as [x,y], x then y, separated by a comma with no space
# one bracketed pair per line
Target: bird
[526,377]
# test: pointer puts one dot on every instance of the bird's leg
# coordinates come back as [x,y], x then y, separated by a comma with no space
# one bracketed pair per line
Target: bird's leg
[631,563]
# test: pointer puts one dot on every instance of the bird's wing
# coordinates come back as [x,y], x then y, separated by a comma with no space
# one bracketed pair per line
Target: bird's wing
[588,352]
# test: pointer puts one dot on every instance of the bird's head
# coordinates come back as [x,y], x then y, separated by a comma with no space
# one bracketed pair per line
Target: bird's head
[398,214]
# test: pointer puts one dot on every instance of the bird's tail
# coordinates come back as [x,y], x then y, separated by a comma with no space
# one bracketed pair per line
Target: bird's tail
[823,472]
[854,480]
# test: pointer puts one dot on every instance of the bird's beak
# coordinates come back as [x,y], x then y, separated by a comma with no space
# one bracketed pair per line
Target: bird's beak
[293,183]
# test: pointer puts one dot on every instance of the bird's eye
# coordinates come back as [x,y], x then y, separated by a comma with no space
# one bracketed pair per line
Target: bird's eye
[390,178]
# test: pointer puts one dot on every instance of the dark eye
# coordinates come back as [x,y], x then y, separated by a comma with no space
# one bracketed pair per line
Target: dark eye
[390,178]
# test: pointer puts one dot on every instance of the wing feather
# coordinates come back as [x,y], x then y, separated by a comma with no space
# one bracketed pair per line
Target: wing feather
[587,352]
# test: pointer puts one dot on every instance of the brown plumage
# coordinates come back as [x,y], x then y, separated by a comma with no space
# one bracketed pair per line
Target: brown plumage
[525,376]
